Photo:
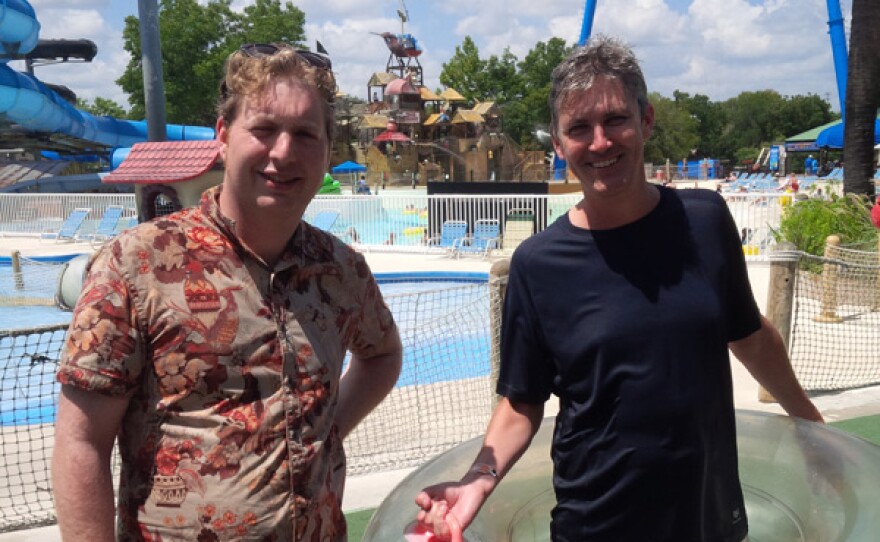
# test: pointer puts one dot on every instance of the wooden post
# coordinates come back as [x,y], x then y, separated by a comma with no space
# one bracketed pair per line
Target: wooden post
[17,275]
[828,310]
[780,297]
[498,275]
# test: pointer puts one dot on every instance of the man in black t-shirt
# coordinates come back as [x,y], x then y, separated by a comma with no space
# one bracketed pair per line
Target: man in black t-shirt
[625,308]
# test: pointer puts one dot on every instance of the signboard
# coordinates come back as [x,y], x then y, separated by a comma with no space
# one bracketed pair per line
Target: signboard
[804,146]
[773,158]
[408,117]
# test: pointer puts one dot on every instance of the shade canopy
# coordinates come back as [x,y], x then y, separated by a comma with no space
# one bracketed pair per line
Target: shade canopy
[832,137]
[392,135]
[348,167]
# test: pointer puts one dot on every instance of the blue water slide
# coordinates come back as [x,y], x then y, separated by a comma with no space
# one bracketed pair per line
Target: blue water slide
[32,105]
[19,28]
[838,49]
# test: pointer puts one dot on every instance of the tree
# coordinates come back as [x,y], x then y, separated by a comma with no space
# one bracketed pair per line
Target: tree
[755,118]
[501,82]
[801,113]
[464,71]
[675,131]
[711,121]
[101,107]
[532,110]
[862,98]
[195,41]
[267,22]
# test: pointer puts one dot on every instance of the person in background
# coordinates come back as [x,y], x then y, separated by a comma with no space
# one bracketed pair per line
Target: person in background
[362,186]
[210,342]
[791,183]
[635,346]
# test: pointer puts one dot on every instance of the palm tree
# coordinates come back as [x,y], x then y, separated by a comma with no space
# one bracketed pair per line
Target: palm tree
[862,98]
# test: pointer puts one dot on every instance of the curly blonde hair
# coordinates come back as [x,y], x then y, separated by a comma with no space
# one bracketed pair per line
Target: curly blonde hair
[248,74]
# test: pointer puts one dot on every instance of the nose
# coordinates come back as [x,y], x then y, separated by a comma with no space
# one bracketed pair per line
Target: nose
[283,149]
[600,140]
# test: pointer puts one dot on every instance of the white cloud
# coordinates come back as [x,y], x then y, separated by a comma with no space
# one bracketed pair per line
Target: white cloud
[714,47]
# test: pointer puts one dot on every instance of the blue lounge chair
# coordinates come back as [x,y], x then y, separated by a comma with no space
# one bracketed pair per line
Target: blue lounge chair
[451,234]
[325,219]
[486,237]
[69,229]
[107,226]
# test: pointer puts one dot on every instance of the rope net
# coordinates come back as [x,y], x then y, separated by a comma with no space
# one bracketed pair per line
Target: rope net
[444,395]
[31,283]
[835,327]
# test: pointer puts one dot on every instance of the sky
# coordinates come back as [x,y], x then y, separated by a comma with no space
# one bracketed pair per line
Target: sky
[718,48]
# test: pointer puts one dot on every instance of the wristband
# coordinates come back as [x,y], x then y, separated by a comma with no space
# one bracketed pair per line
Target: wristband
[483,468]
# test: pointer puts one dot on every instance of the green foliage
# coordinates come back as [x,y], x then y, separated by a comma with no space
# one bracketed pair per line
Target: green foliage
[195,39]
[675,131]
[464,70]
[712,140]
[808,223]
[519,88]
[102,107]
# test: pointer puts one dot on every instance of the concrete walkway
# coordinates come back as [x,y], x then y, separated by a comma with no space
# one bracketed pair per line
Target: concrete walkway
[367,491]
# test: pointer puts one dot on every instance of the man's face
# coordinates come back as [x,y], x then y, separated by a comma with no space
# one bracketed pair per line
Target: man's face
[276,153]
[602,136]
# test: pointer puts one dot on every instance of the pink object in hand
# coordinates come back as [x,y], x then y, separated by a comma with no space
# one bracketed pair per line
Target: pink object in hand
[418,533]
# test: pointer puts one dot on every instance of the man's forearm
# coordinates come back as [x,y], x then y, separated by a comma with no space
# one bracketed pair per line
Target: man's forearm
[83,488]
[365,384]
[763,354]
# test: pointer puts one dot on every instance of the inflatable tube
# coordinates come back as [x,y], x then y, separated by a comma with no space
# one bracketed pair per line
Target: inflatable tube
[414,230]
[70,281]
[801,481]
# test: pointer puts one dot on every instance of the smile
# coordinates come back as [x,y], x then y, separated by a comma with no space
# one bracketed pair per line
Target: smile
[605,163]
[276,180]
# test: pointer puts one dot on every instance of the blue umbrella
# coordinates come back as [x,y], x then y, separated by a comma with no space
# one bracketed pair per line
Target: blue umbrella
[832,137]
[348,167]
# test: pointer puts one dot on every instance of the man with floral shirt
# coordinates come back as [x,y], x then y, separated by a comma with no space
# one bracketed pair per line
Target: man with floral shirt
[211,341]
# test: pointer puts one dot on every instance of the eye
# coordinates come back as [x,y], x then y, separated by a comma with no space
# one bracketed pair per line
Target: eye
[616,120]
[578,129]
[262,130]
[307,134]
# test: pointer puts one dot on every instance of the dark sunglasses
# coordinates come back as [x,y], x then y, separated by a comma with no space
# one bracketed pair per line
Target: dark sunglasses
[316,60]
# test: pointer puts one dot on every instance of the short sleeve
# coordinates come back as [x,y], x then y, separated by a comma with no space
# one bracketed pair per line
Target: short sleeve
[102,348]
[743,314]
[373,321]
[527,371]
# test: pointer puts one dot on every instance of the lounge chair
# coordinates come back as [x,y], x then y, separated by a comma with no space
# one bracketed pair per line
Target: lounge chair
[69,229]
[519,225]
[325,219]
[486,237]
[451,234]
[107,226]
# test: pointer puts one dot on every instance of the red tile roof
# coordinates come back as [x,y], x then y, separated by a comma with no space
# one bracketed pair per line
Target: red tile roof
[165,162]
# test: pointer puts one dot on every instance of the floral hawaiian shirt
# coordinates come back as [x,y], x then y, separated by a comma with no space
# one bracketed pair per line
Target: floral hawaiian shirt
[232,370]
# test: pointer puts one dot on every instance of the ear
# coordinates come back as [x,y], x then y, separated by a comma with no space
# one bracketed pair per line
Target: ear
[557,147]
[221,132]
[648,122]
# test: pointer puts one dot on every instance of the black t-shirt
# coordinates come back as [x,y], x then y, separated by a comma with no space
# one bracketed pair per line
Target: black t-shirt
[629,327]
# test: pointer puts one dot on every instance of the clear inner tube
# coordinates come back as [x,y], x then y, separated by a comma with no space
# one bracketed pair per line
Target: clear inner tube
[802,481]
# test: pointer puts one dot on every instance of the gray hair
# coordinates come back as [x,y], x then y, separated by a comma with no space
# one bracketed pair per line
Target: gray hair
[602,56]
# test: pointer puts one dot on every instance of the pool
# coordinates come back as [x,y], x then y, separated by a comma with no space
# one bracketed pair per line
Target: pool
[443,319]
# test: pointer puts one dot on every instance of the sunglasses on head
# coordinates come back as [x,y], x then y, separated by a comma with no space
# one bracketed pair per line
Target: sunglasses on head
[316,60]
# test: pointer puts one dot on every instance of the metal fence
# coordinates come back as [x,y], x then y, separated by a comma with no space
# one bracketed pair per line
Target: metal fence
[393,220]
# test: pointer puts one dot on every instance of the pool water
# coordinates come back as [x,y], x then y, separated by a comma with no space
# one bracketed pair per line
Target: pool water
[443,325]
